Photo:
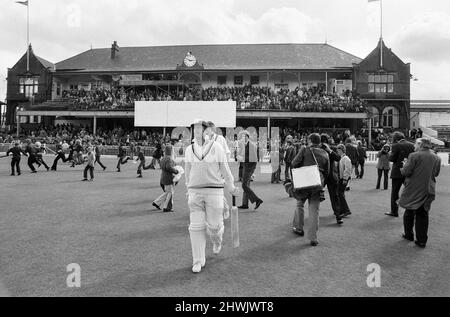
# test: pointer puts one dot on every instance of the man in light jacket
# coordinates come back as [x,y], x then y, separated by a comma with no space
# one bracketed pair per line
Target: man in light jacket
[420,171]
[345,175]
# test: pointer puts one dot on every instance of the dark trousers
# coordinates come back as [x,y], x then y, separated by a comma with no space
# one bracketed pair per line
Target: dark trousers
[154,160]
[40,160]
[276,176]
[360,169]
[355,168]
[91,171]
[420,219]
[241,171]
[122,160]
[32,160]
[97,160]
[15,163]
[343,206]
[249,169]
[141,167]
[152,164]
[386,178]
[287,171]
[60,156]
[334,196]
[396,185]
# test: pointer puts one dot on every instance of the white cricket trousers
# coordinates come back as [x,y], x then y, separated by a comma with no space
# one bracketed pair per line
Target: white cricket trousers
[206,217]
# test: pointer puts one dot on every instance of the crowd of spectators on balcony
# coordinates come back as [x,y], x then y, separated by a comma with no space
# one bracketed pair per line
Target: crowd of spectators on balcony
[99,99]
[247,98]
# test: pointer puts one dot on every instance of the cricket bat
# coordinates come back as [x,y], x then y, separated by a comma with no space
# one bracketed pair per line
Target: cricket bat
[235,224]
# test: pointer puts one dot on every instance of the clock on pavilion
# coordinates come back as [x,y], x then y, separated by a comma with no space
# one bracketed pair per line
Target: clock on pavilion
[190,62]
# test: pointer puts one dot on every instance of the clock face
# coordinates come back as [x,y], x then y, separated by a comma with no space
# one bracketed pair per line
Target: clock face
[190,60]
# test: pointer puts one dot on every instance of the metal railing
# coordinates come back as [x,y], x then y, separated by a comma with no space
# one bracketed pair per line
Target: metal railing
[107,149]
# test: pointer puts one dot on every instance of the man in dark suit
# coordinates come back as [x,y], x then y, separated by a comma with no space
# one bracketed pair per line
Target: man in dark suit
[362,156]
[289,155]
[352,153]
[16,152]
[248,155]
[165,201]
[31,151]
[400,150]
[420,170]
[332,181]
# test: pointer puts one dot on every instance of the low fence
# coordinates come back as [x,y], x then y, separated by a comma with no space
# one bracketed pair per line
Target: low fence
[372,158]
[109,150]
[148,151]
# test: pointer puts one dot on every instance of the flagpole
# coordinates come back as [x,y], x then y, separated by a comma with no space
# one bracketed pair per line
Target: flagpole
[381,33]
[381,16]
[28,36]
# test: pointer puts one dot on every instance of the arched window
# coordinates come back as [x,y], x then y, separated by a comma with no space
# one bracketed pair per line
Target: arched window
[375,113]
[391,117]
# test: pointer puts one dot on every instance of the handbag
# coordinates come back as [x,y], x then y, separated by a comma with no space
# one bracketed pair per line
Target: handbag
[307,177]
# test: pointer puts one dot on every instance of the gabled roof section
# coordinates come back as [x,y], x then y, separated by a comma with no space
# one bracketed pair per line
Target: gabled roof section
[46,63]
[388,55]
[212,57]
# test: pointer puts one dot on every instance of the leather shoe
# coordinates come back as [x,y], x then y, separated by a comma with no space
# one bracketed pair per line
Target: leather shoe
[391,214]
[243,207]
[156,206]
[314,243]
[409,238]
[420,244]
[299,232]
[258,204]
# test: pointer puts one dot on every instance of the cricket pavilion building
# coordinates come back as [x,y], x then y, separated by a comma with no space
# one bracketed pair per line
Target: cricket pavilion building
[382,80]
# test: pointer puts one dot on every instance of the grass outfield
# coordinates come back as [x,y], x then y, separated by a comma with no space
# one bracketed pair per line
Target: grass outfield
[125,248]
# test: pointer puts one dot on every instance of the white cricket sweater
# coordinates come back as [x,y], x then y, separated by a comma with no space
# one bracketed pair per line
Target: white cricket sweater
[207,167]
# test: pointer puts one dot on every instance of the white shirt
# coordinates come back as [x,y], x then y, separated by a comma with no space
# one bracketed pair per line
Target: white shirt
[345,168]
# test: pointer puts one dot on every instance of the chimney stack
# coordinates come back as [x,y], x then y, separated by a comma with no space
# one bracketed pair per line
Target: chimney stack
[114,49]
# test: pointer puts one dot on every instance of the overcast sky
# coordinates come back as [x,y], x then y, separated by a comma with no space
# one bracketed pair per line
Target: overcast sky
[417,31]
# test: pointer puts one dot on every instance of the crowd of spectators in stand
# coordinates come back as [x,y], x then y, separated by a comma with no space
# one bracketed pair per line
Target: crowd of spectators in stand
[99,99]
[60,133]
[247,98]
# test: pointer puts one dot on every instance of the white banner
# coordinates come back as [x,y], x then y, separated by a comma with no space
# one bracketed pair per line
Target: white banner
[184,113]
